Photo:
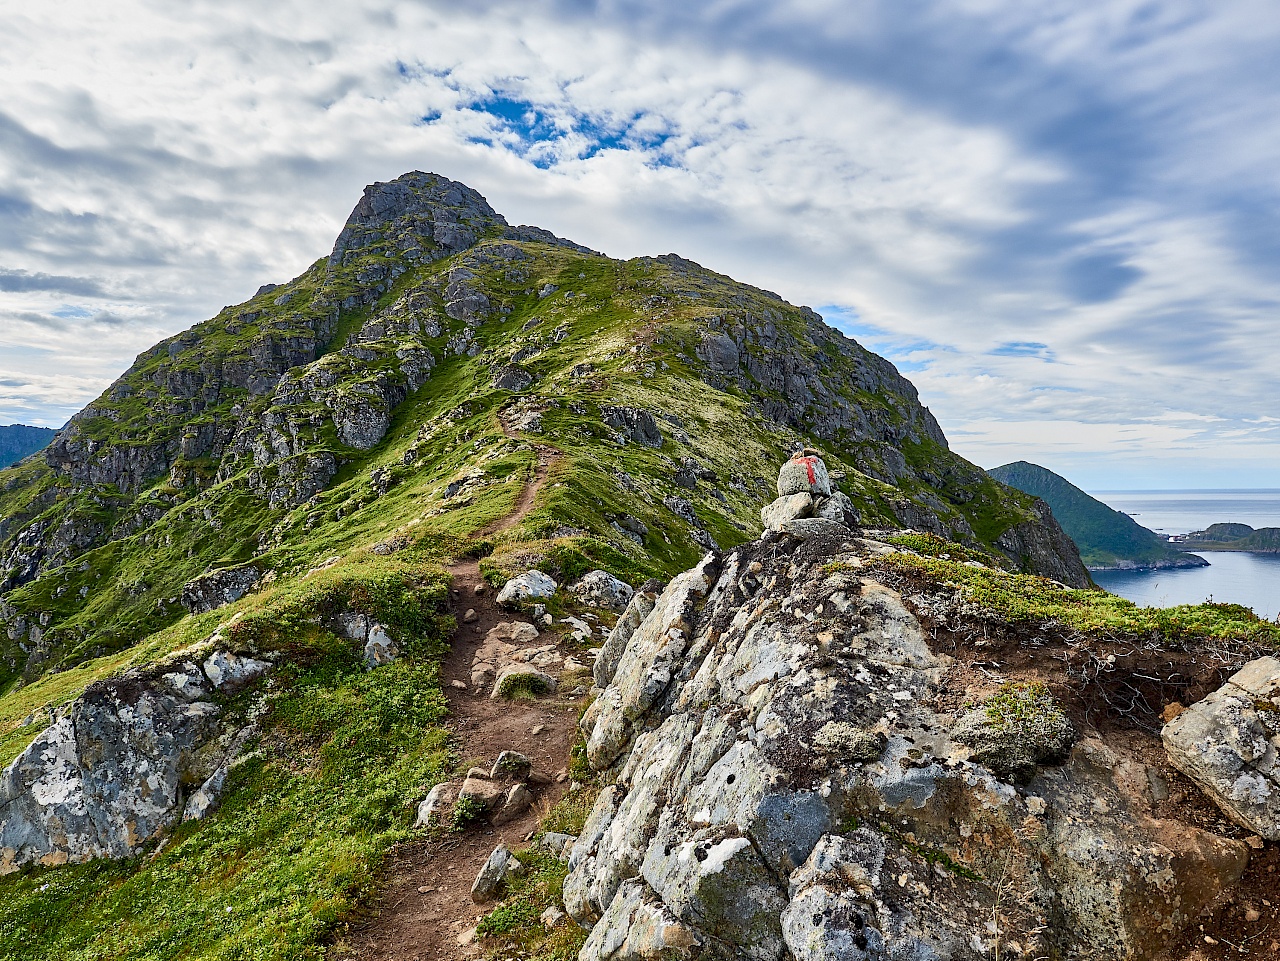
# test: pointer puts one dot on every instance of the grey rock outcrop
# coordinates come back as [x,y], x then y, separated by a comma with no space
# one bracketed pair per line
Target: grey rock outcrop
[1229,744]
[601,589]
[126,760]
[633,424]
[781,783]
[216,589]
[526,587]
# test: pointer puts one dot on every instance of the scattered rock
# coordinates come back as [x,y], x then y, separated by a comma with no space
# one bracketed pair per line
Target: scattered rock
[437,799]
[512,377]
[488,794]
[511,765]
[500,865]
[526,587]
[552,918]
[470,617]
[215,589]
[788,508]
[633,424]
[518,800]
[1229,744]
[601,589]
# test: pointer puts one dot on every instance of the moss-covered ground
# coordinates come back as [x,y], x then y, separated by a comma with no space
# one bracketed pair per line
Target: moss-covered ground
[1029,599]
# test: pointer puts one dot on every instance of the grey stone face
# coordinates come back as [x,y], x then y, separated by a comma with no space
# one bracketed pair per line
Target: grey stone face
[633,424]
[129,757]
[216,589]
[1229,744]
[779,771]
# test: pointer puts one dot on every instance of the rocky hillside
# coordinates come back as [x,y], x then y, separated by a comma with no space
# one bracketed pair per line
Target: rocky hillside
[19,441]
[1107,539]
[408,372]
[1233,537]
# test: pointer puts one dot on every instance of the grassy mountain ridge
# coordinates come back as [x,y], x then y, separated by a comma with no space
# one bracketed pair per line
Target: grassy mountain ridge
[1107,538]
[256,435]
[351,432]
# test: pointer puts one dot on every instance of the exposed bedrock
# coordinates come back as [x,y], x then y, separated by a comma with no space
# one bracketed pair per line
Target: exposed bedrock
[784,784]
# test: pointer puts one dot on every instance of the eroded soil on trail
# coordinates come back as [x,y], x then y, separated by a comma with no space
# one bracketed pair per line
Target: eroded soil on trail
[425,911]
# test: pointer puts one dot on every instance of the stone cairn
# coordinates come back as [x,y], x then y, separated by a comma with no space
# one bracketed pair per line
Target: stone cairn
[805,494]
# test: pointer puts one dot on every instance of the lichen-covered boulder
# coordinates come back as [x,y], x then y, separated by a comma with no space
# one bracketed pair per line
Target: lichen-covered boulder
[124,761]
[1015,730]
[1229,744]
[782,781]
[601,589]
[526,587]
[804,473]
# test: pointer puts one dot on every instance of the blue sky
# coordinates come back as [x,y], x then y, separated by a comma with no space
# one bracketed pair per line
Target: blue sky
[1059,219]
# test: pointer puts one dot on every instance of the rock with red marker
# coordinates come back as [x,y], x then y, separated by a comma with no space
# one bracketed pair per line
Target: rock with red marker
[804,473]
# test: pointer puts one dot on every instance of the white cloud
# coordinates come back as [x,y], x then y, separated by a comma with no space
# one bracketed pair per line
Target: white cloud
[1050,205]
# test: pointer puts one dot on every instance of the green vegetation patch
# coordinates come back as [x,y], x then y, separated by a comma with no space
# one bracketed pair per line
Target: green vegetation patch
[293,849]
[1032,599]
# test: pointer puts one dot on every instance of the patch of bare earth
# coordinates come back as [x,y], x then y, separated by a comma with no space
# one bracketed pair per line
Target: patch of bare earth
[1119,689]
[424,911]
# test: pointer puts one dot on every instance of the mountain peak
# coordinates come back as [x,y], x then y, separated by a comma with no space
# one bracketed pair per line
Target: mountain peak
[421,216]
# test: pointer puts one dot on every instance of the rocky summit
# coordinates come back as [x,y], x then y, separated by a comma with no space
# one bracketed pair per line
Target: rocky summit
[477,594]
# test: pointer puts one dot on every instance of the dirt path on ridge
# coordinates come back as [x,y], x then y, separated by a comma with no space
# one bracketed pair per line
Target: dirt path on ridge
[425,911]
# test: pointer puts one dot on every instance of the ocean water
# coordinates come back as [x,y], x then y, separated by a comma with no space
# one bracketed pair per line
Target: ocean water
[1181,512]
[1249,579]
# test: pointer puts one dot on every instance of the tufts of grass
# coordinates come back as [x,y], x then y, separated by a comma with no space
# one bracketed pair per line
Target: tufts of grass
[1028,598]
[293,849]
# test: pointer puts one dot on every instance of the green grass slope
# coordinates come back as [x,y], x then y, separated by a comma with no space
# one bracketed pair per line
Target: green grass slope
[1106,538]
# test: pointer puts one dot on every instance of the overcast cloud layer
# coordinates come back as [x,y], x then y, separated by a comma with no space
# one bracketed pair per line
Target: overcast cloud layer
[1060,222]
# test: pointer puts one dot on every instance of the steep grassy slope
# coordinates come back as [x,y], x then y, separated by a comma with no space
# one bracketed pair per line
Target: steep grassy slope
[1106,538]
[19,441]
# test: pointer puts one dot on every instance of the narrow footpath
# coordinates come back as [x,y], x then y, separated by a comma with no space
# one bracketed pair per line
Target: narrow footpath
[425,911]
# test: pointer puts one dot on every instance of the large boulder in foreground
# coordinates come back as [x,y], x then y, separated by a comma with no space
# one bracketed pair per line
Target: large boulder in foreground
[115,768]
[1229,744]
[782,783]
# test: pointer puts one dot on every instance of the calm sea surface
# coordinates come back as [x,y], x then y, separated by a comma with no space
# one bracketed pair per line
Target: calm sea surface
[1249,579]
